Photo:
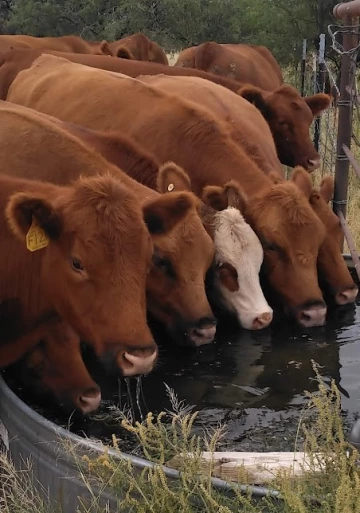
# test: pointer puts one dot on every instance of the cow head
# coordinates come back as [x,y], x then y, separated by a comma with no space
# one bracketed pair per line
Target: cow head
[56,368]
[94,268]
[176,282]
[332,267]
[238,252]
[291,235]
[289,117]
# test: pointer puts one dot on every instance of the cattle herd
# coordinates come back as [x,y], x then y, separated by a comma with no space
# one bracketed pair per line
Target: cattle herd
[130,187]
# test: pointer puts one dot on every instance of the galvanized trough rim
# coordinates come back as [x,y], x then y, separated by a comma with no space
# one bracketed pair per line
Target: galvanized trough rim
[86,445]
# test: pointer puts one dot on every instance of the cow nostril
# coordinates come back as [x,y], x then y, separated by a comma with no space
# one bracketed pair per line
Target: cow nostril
[313,163]
[262,321]
[140,361]
[90,400]
[347,296]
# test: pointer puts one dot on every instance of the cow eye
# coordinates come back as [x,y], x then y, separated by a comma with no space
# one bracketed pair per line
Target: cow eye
[268,246]
[77,265]
[163,264]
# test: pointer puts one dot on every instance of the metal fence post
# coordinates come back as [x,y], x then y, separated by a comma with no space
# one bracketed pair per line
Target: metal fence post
[345,119]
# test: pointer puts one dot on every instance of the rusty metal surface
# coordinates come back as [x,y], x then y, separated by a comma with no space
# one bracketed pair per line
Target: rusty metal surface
[347,9]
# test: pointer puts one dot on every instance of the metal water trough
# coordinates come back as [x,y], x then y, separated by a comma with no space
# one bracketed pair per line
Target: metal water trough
[29,436]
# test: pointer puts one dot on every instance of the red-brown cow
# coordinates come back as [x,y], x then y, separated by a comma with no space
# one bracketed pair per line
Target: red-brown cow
[288,114]
[55,368]
[251,132]
[140,48]
[175,129]
[175,282]
[246,63]
[76,231]
[72,44]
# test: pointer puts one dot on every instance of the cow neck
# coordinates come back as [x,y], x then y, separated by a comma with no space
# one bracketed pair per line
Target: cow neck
[223,160]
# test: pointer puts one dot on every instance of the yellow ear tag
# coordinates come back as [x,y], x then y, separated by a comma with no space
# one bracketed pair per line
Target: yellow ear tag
[36,238]
[171,187]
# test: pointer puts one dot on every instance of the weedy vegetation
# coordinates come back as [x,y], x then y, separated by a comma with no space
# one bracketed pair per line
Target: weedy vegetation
[330,482]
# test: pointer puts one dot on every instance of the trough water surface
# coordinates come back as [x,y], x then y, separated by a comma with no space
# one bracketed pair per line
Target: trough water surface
[252,381]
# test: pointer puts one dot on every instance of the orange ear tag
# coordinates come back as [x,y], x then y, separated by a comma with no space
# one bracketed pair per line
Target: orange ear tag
[36,238]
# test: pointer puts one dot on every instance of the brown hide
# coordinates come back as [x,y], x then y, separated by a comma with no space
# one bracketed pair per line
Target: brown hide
[174,129]
[288,114]
[140,47]
[251,132]
[245,121]
[175,284]
[13,61]
[72,44]
[245,63]
[76,276]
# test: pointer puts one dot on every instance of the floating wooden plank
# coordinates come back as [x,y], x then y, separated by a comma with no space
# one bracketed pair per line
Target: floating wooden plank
[259,467]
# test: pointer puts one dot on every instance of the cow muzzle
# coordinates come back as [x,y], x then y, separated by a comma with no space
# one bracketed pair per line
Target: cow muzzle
[312,164]
[203,332]
[137,362]
[311,316]
[89,400]
[347,296]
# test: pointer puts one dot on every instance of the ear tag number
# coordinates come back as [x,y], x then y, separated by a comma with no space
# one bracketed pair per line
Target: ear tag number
[36,238]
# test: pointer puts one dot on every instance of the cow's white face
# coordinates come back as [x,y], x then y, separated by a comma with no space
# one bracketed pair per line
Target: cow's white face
[239,256]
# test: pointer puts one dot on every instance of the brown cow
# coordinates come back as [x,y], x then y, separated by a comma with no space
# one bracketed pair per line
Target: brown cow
[245,63]
[288,114]
[249,129]
[175,129]
[140,48]
[175,284]
[43,229]
[55,368]
[72,44]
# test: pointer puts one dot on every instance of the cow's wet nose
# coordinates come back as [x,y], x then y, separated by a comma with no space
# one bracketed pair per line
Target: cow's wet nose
[89,400]
[262,321]
[312,316]
[203,332]
[313,164]
[347,296]
[139,361]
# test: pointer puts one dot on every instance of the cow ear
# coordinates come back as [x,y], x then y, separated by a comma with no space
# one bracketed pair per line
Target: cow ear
[318,102]
[256,96]
[123,53]
[105,48]
[23,209]
[327,188]
[172,178]
[164,213]
[302,179]
[220,198]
